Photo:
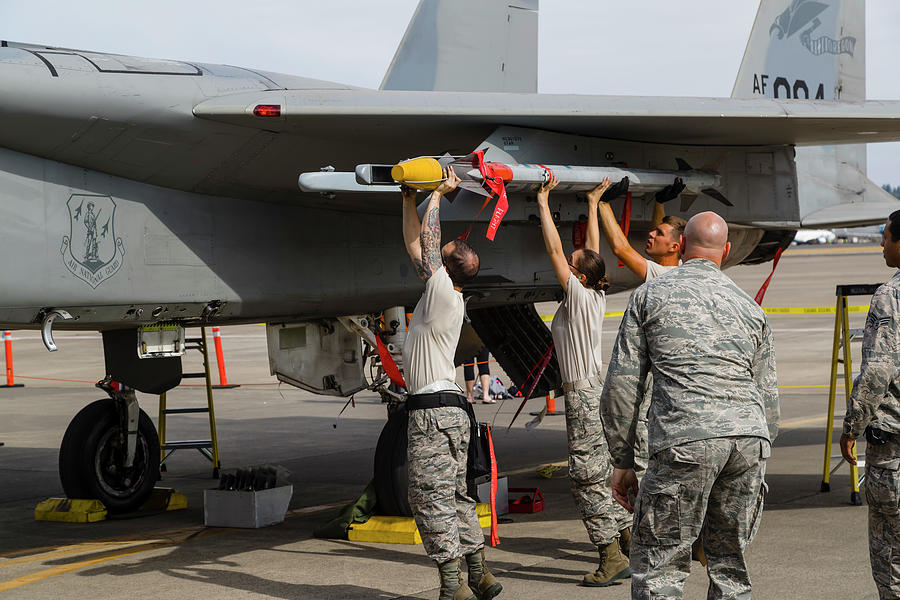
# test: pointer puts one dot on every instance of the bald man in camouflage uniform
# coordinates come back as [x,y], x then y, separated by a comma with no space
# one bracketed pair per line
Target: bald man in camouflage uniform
[874,408]
[713,414]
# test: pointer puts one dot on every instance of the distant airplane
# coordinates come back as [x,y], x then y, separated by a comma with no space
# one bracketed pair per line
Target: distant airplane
[818,236]
[195,169]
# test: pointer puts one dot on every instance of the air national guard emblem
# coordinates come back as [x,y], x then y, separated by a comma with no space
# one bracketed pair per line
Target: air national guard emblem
[91,251]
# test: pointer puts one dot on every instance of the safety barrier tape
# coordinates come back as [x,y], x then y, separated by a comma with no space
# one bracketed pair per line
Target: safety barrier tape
[769,310]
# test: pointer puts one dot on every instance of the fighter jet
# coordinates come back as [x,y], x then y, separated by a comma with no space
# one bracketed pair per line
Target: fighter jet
[141,196]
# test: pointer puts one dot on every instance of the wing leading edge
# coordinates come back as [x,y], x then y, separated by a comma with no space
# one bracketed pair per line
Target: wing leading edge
[706,121]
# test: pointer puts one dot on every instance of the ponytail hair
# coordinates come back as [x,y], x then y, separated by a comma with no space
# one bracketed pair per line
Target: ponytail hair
[603,285]
[593,268]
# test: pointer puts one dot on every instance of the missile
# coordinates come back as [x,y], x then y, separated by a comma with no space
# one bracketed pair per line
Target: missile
[529,177]
[426,173]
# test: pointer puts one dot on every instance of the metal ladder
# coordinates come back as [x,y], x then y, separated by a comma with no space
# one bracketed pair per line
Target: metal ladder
[843,337]
[207,447]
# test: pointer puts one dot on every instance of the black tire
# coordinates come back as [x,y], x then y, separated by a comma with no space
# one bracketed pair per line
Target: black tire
[391,476]
[91,451]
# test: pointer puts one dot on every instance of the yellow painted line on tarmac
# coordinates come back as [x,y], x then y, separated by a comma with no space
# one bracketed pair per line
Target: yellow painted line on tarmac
[135,546]
[157,535]
[797,387]
[68,568]
[833,250]
[112,549]
[67,551]
[798,422]
[811,310]
[769,310]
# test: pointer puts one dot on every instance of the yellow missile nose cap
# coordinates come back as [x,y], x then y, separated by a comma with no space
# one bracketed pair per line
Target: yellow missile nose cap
[423,173]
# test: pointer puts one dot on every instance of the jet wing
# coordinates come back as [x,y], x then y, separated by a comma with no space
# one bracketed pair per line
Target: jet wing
[706,121]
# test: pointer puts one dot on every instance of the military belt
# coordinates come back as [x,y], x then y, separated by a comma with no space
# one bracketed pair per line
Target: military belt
[582,384]
[435,400]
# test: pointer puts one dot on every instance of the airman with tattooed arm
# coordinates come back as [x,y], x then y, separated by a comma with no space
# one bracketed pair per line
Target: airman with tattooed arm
[439,425]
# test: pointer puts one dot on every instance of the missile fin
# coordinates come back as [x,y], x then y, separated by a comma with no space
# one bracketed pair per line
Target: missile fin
[716,194]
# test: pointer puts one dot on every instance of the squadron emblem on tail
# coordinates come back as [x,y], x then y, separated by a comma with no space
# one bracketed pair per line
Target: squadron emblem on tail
[806,12]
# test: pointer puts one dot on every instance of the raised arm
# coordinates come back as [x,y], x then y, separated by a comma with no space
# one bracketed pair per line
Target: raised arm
[670,192]
[592,241]
[412,228]
[636,263]
[430,235]
[551,235]
[659,213]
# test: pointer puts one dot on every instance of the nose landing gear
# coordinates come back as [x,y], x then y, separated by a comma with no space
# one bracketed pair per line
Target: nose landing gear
[110,451]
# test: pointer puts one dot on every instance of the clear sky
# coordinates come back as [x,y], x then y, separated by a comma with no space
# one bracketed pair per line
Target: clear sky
[633,47]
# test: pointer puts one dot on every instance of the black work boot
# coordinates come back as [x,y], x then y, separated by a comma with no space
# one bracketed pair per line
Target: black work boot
[613,566]
[625,541]
[481,581]
[453,586]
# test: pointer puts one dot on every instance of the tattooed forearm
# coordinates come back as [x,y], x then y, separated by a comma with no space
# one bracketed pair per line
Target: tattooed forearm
[430,240]
[420,270]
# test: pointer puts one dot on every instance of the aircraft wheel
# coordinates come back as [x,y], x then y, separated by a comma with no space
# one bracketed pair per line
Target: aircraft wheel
[391,477]
[92,453]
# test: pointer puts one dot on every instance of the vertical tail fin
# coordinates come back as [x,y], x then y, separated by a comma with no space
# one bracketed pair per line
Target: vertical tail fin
[816,49]
[806,49]
[468,46]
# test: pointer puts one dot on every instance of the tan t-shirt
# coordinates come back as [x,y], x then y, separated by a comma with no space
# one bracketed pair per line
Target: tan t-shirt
[432,337]
[655,270]
[576,329]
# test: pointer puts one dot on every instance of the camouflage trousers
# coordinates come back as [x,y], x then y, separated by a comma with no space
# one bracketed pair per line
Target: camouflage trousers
[712,489]
[590,468]
[444,512]
[883,498]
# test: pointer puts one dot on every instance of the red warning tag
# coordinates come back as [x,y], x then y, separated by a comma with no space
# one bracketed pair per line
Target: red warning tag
[765,286]
[493,174]
[579,234]
[387,361]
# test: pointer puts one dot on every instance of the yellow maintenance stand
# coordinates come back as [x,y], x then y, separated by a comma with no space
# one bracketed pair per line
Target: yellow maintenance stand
[843,336]
[207,447]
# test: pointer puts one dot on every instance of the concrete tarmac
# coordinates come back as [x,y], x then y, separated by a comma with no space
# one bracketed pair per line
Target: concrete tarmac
[811,545]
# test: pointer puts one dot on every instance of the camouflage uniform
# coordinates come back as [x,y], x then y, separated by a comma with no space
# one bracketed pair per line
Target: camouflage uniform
[713,413]
[641,443]
[444,512]
[641,449]
[875,401]
[590,469]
